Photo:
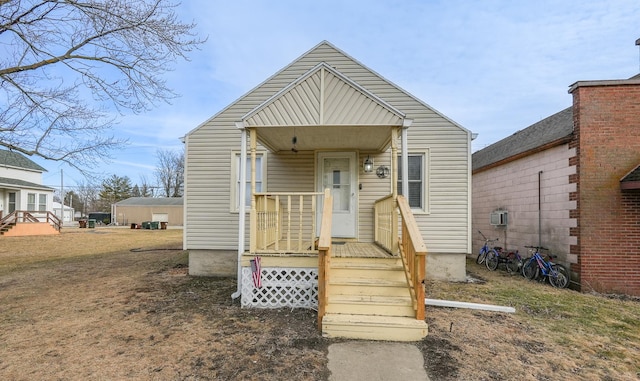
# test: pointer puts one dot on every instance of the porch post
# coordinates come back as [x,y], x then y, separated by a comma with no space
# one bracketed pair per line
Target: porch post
[253,229]
[394,187]
[405,162]
[242,209]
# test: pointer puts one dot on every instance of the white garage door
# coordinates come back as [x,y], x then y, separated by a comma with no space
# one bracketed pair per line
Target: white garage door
[160,217]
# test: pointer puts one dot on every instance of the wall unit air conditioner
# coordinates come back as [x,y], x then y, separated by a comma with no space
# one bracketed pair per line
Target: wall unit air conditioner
[499,218]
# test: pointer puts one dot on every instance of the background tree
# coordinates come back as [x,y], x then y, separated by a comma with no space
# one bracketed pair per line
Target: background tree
[88,193]
[146,189]
[114,189]
[63,64]
[170,172]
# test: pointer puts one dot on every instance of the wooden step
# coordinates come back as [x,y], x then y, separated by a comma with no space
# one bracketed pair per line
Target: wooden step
[371,305]
[361,286]
[373,327]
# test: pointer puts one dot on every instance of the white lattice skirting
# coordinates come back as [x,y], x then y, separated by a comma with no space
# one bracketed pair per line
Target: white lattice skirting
[281,287]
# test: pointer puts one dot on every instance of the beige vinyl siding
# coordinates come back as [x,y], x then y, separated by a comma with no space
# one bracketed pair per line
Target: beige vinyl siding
[445,228]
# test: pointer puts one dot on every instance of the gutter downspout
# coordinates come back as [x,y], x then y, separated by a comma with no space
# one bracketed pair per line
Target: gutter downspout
[242,208]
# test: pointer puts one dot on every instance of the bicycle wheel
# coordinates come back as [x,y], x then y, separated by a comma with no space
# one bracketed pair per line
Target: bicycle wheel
[492,260]
[559,278]
[481,257]
[530,268]
[514,264]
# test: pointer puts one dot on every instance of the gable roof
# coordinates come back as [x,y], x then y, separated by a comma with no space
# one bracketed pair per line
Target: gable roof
[312,53]
[17,160]
[306,101]
[553,130]
[151,201]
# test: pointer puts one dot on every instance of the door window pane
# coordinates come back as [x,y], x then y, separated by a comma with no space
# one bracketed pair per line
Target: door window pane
[337,177]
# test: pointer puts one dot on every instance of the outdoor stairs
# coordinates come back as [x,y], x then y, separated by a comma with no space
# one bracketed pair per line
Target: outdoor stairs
[6,229]
[368,298]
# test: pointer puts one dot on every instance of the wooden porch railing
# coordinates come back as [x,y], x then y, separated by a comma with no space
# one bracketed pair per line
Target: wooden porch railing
[324,255]
[284,222]
[413,252]
[385,223]
[26,216]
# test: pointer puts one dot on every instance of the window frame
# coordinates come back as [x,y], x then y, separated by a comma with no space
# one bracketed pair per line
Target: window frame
[31,205]
[234,202]
[424,154]
[42,207]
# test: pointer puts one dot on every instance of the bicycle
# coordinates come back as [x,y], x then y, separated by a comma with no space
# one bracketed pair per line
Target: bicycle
[511,259]
[537,266]
[485,249]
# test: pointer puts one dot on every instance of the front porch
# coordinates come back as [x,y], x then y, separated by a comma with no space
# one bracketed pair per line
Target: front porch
[362,290]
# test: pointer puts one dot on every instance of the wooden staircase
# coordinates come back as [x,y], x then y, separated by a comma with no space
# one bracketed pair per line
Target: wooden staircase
[369,298]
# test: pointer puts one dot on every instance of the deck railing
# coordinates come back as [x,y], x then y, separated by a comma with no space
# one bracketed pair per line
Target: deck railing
[284,222]
[30,216]
[385,223]
[324,255]
[413,252]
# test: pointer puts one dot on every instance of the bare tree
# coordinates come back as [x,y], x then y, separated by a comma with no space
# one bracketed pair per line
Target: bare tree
[170,172]
[63,64]
[88,194]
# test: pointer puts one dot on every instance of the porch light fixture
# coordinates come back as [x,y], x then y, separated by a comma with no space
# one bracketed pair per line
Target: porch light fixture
[368,164]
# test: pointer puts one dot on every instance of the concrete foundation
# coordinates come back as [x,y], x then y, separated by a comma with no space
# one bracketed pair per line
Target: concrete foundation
[449,267]
[213,263]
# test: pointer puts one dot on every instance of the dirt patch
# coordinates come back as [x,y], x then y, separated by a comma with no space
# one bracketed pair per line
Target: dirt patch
[120,305]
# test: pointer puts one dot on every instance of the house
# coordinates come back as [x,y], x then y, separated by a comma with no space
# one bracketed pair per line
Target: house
[570,183]
[65,213]
[26,206]
[325,147]
[136,210]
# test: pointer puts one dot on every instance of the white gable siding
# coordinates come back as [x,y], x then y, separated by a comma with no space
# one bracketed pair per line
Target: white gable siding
[445,228]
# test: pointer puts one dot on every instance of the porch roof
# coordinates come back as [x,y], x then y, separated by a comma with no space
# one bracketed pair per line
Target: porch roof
[15,184]
[324,109]
[631,180]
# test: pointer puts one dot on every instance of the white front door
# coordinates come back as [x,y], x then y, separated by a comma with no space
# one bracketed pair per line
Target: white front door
[337,171]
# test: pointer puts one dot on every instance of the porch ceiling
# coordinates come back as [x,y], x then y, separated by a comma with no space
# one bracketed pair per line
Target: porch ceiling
[309,138]
[324,109]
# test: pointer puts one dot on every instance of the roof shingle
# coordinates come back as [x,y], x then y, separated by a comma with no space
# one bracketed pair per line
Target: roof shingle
[548,130]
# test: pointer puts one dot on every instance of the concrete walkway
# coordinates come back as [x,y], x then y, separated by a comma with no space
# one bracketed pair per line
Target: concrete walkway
[376,361]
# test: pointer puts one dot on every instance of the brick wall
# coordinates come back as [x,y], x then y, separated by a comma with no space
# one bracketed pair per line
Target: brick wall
[607,144]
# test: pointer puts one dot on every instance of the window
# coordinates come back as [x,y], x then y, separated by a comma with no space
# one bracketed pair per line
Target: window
[12,202]
[42,204]
[235,190]
[31,202]
[417,180]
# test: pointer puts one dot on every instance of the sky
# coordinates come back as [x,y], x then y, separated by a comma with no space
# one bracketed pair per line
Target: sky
[492,66]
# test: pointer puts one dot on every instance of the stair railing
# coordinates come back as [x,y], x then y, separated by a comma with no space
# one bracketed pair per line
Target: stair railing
[324,255]
[54,221]
[413,252]
[9,219]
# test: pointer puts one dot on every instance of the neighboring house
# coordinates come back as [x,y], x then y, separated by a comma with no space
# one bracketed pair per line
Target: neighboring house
[66,214]
[570,183]
[325,121]
[24,201]
[136,210]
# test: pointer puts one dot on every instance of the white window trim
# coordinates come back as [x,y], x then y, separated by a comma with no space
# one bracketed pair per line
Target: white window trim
[32,207]
[42,207]
[233,196]
[426,181]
